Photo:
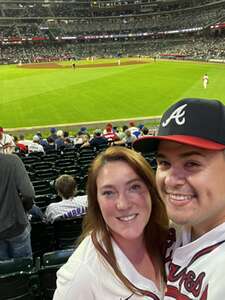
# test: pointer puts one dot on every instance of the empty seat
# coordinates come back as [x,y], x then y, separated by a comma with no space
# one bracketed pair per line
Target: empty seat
[42,187]
[64,164]
[50,174]
[50,264]
[50,157]
[28,160]
[67,232]
[17,279]
[42,238]
[42,165]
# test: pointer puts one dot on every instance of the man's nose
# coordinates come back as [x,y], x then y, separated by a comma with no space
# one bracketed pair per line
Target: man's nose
[175,177]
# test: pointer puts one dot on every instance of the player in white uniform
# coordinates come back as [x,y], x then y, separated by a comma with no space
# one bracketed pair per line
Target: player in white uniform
[190,177]
[205,81]
[120,256]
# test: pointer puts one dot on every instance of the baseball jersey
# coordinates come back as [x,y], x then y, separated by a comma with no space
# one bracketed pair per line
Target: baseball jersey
[67,208]
[87,276]
[195,269]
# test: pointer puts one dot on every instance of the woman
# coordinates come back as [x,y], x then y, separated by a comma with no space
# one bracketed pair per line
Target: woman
[121,248]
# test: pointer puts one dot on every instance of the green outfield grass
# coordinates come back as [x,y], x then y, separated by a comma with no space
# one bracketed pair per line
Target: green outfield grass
[33,97]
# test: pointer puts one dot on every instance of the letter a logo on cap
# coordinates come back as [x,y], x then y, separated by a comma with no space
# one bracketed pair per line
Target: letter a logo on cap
[177,115]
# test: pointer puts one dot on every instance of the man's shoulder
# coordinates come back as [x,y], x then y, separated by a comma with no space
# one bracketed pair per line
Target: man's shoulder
[9,157]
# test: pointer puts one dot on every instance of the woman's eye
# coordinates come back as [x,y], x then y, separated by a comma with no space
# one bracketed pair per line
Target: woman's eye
[135,187]
[107,193]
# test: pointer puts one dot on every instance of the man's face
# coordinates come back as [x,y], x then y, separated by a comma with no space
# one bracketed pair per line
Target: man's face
[191,181]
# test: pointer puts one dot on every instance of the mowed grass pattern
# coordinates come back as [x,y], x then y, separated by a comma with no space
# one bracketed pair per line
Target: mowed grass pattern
[34,97]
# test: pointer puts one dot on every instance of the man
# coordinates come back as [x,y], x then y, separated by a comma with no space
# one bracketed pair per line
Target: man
[35,146]
[70,206]
[205,81]
[190,151]
[6,142]
[16,198]
[97,141]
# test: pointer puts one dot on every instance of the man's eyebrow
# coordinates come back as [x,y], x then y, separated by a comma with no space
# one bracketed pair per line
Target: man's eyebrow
[182,155]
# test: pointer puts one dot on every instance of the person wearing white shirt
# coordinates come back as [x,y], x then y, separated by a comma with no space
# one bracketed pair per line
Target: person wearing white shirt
[190,153]
[120,251]
[34,146]
[70,206]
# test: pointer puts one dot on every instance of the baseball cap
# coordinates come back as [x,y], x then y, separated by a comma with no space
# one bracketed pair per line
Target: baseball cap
[1,129]
[36,138]
[196,122]
[98,131]
[53,130]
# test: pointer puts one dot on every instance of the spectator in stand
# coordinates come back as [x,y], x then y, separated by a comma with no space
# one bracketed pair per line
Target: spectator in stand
[82,136]
[128,139]
[19,147]
[145,131]
[59,142]
[108,128]
[68,144]
[121,133]
[23,141]
[53,134]
[16,198]
[42,142]
[50,144]
[98,140]
[133,129]
[7,144]
[110,135]
[70,206]
[35,146]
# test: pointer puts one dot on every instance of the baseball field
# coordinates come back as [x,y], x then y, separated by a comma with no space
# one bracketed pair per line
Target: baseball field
[51,94]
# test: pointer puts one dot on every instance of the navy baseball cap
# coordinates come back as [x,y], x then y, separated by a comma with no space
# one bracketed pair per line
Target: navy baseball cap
[196,122]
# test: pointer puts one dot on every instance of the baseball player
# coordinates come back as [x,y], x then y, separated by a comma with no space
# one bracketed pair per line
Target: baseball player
[205,80]
[190,151]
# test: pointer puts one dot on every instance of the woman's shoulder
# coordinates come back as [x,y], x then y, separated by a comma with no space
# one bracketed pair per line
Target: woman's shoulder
[82,260]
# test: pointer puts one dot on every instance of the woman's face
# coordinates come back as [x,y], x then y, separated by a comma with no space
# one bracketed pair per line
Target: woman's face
[124,200]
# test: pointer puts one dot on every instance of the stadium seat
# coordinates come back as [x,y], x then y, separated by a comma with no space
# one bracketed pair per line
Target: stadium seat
[64,164]
[42,187]
[42,238]
[50,174]
[50,264]
[28,160]
[42,165]
[67,232]
[68,153]
[50,157]
[82,180]
[18,279]
[36,154]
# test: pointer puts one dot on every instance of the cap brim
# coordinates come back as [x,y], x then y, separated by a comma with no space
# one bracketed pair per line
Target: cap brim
[150,143]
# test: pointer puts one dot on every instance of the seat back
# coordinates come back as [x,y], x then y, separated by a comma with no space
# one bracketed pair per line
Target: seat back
[42,238]
[15,279]
[67,232]
[51,262]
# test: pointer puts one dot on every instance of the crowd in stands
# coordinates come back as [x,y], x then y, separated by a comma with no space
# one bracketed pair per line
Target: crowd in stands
[59,140]
[190,46]
[131,34]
